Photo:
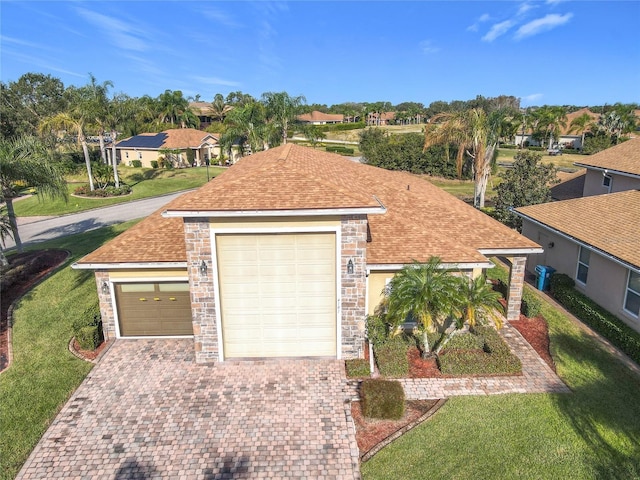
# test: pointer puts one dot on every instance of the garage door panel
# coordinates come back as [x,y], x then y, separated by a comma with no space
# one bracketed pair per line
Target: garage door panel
[154,309]
[289,306]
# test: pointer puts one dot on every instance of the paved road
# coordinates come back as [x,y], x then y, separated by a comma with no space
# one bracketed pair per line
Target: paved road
[39,229]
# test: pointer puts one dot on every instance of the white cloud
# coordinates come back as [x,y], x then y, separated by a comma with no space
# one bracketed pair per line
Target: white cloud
[524,8]
[498,30]
[485,17]
[122,35]
[427,47]
[215,81]
[220,17]
[543,24]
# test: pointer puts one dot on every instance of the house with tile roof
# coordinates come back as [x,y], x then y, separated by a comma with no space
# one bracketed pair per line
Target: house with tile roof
[320,118]
[183,147]
[286,253]
[596,241]
[615,169]
[567,138]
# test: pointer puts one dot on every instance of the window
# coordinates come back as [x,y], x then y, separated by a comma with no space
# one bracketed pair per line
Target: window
[583,265]
[606,182]
[632,297]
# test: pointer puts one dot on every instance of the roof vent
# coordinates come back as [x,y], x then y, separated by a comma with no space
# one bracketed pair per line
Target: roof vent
[408,187]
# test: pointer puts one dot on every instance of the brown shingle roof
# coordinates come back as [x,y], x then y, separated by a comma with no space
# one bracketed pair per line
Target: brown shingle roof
[317,116]
[610,223]
[573,115]
[175,138]
[571,185]
[421,219]
[624,158]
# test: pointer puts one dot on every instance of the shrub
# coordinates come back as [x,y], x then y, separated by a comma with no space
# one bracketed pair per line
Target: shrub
[88,337]
[509,146]
[602,321]
[391,357]
[136,163]
[377,329]
[87,329]
[357,367]
[382,399]
[109,191]
[531,304]
[560,280]
[536,149]
[466,341]
[341,127]
[154,163]
[493,356]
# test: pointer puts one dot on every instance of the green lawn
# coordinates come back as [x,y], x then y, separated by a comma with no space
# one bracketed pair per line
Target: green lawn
[591,433]
[44,373]
[146,182]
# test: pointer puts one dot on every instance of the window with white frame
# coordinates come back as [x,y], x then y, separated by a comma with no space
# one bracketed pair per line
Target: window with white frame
[632,297]
[583,265]
[607,181]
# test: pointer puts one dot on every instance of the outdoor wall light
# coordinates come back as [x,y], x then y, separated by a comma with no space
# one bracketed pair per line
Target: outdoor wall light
[203,268]
[105,287]
[551,245]
[350,267]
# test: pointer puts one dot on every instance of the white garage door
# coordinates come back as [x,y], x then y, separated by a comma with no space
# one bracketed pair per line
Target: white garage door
[278,294]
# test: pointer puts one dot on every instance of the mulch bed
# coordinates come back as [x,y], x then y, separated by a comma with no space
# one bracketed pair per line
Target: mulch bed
[47,261]
[370,432]
[89,355]
[536,332]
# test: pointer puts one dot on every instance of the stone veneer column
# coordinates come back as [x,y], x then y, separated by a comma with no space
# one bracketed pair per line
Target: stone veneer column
[203,306]
[516,285]
[106,306]
[354,248]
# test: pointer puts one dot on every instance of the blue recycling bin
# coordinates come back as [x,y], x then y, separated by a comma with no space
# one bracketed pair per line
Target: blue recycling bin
[543,274]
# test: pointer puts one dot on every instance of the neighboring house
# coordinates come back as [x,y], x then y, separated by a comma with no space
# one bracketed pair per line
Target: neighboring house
[571,185]
[596,241]
[319,118]
[203,111]
[567,137]
[615,169]
[173,145]
[384,118]
[285,254]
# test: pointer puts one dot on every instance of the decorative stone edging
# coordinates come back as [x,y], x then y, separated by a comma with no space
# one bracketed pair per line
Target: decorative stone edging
[10,310]
[77,354]
[398,433]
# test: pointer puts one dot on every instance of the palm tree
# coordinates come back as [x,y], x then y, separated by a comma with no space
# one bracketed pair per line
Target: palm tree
[219,108]
[281,111]
[5,231]
[120,109]
[244,125]
[97,103]
[427,293]
[476,135]
[77,118]
[480,303]
[25,160]
[580,125]
[174,109]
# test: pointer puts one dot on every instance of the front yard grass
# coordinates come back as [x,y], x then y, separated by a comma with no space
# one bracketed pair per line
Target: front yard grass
[44,373]
[591,433]
[146,182]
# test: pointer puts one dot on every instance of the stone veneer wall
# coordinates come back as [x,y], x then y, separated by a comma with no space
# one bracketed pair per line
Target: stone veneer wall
[516,285]
[354,248]
[203,305]
[106,306]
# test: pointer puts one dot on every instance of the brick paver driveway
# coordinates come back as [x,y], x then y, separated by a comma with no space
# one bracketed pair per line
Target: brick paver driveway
[148,411]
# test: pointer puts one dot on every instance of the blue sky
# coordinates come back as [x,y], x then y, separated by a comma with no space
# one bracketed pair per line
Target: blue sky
[545,52]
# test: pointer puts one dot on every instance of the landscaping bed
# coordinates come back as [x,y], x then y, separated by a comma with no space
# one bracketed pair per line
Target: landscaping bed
[24,271]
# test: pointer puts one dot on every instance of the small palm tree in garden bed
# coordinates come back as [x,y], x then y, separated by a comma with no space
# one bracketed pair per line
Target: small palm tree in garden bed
[443,304]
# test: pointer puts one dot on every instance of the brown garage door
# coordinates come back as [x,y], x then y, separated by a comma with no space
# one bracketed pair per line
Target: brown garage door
[151,309]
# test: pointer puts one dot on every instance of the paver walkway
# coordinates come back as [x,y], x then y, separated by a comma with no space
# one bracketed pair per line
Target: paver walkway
[148,411]
[537,377]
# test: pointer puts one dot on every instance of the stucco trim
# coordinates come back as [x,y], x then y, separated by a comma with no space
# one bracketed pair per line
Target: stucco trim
[391,267]
[275,213]
[136,265]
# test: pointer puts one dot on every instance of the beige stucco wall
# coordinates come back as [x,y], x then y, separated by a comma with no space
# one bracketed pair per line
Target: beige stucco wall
[275,222]
[151,274]
[128,155]
[376,283]
[606,280]
[620,183]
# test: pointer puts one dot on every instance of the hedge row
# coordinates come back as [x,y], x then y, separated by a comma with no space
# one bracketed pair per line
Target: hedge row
[382,399]
[494,358]
[339,149]
[592,314]
[391,357]
[340,127]
[103,192]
